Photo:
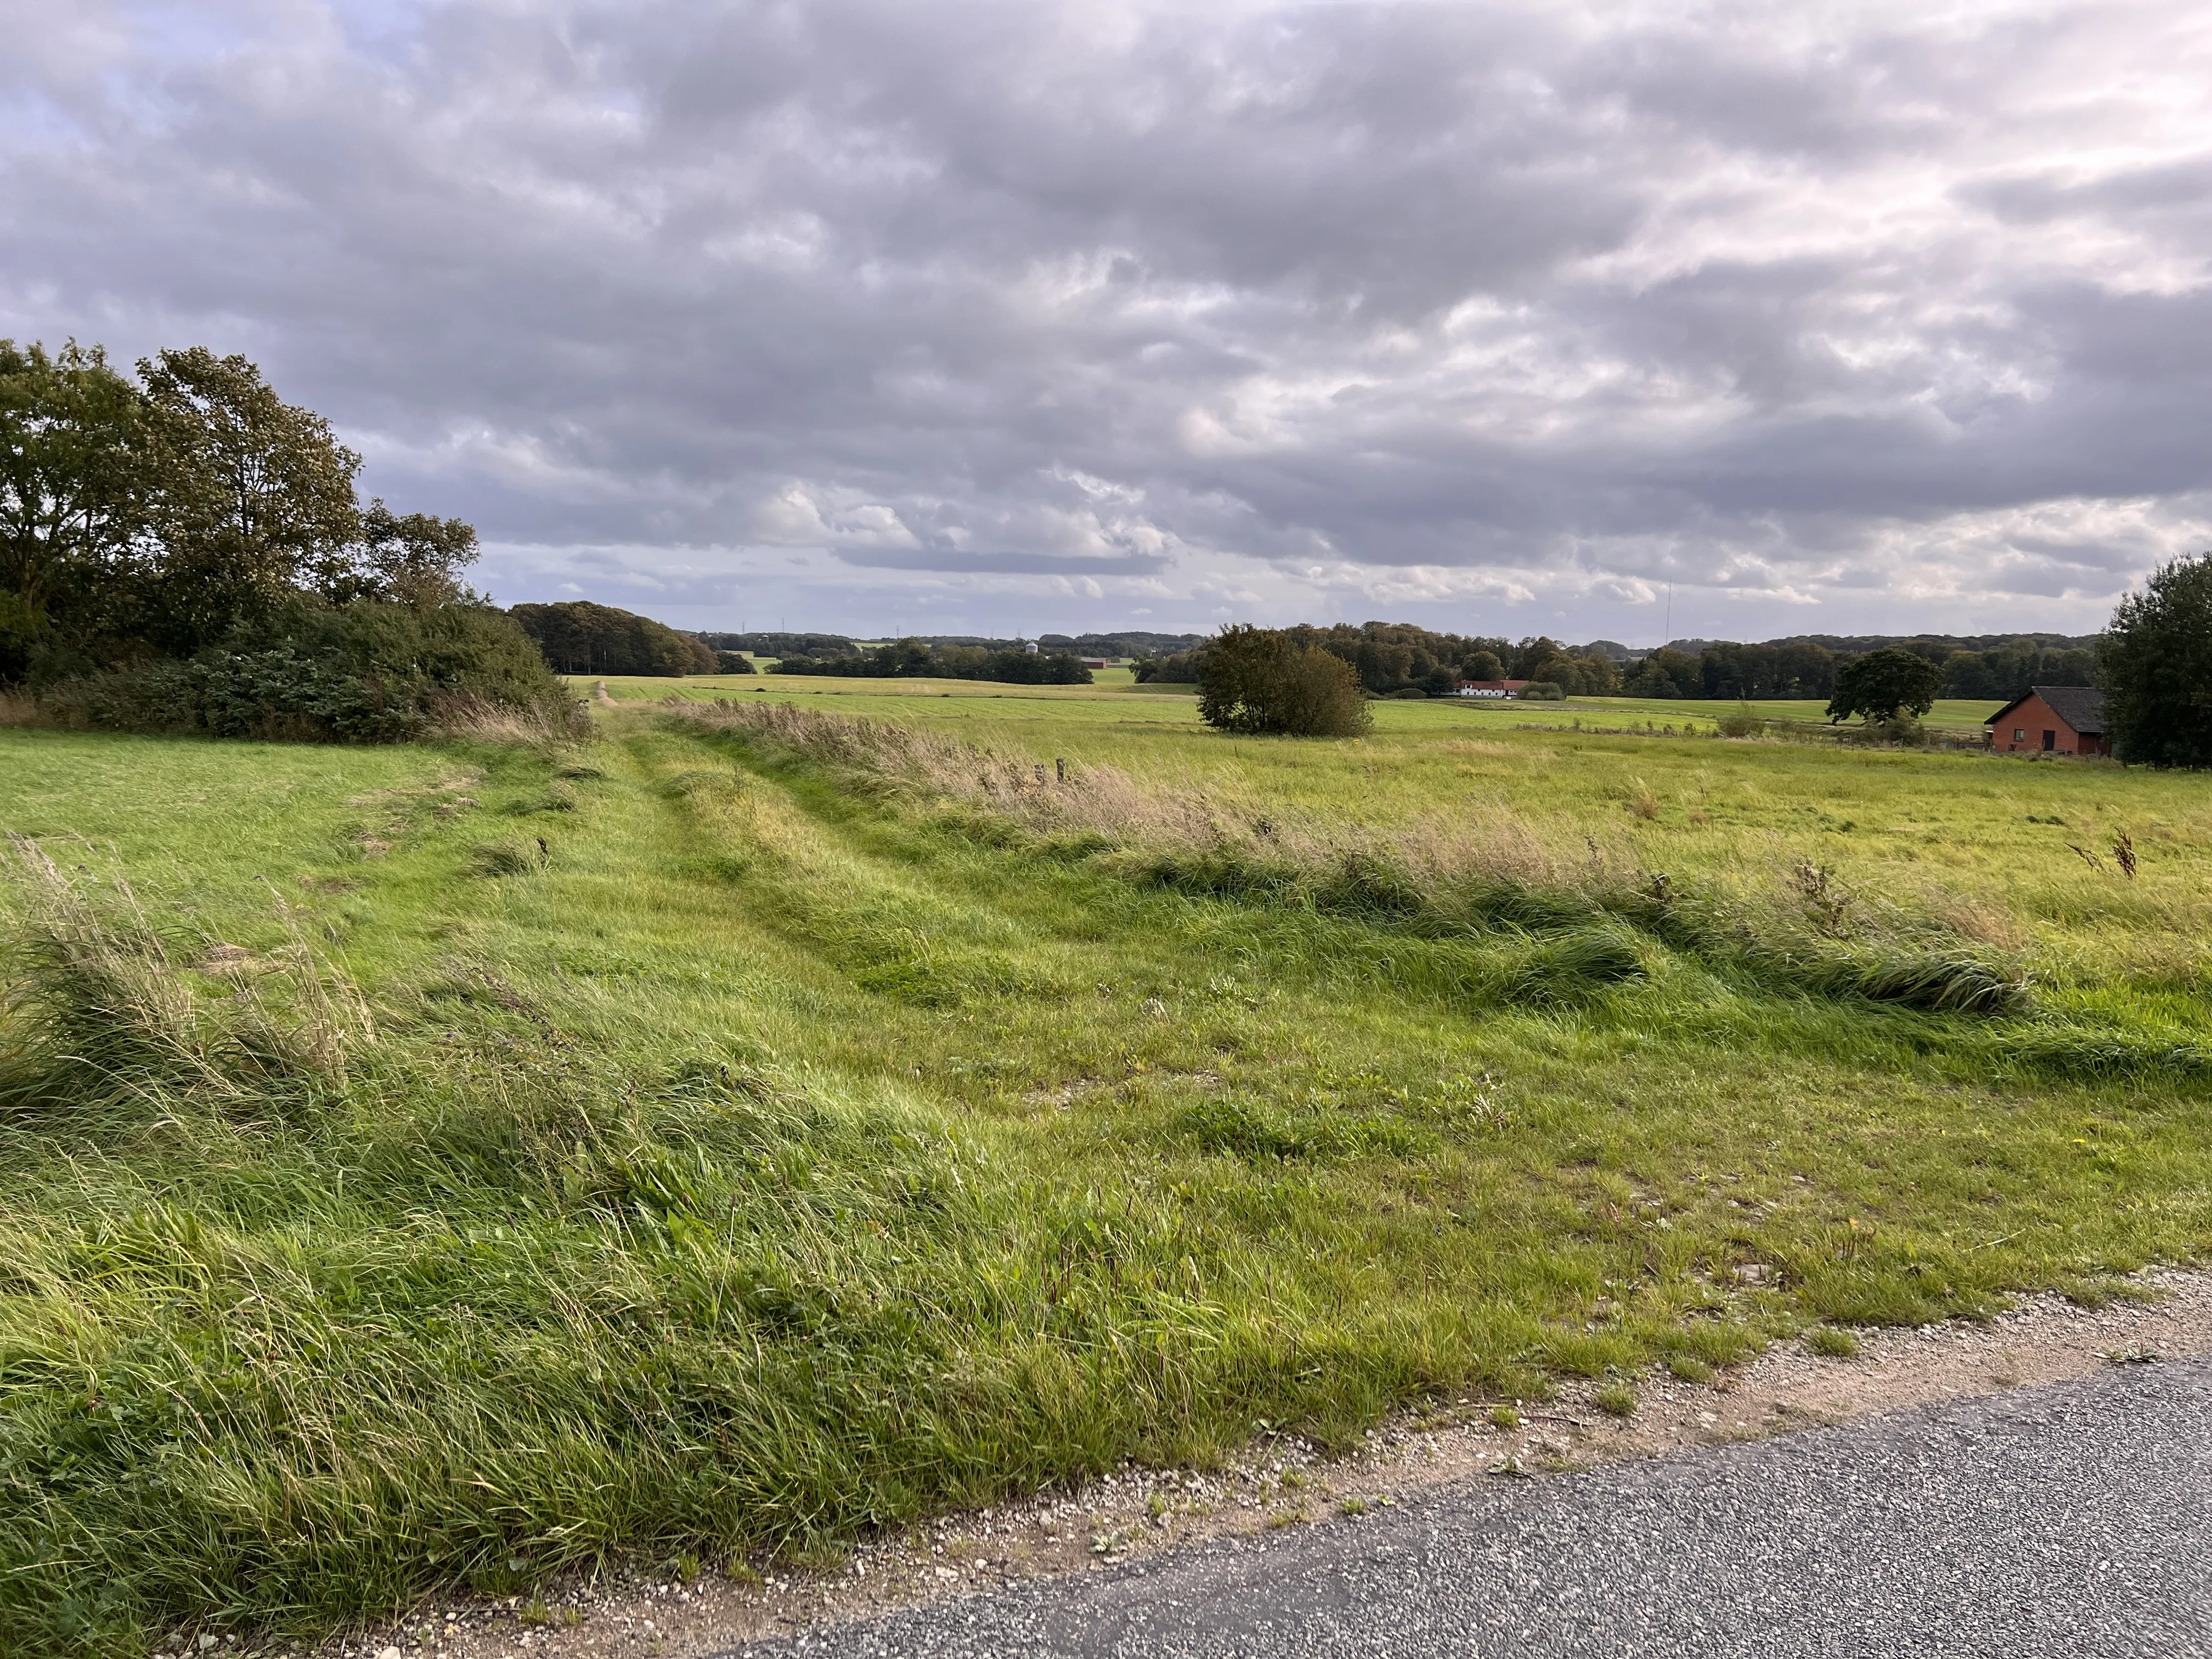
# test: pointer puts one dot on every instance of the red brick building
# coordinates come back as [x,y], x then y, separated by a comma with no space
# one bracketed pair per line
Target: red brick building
[2051,720]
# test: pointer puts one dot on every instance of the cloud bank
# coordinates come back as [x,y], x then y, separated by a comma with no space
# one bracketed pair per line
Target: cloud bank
[1002,316]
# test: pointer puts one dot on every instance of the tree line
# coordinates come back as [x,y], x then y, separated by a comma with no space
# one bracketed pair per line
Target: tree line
[1398,658]
[1125,642]
[579,637]
[913,659]
[180,548]
[2153,664]
[1401,659]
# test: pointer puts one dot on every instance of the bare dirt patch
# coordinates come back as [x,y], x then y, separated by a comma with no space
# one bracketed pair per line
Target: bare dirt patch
[1287,1482]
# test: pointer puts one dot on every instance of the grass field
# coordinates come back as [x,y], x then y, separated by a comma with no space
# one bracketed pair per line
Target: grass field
[1949,716]
[455,1165]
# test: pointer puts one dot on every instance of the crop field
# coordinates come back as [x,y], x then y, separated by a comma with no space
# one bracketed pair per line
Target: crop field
[810,1104]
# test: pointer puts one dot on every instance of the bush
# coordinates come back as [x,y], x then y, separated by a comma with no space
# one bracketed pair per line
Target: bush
[734,662]
[364,672]
[1258,680]
[2155,667]
[1543,691]
[1741,722]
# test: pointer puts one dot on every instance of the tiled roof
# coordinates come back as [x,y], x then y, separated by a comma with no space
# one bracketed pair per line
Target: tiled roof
[2080,707]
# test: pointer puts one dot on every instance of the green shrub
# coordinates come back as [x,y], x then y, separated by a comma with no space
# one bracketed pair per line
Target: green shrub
[1741,722]
[364,672]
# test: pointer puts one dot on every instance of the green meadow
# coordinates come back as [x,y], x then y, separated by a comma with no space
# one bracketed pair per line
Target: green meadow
[810,1104]
[1949,716]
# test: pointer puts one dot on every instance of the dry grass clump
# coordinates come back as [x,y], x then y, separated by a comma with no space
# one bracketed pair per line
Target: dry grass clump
[98,1016]
[1975,918]
[483,721]
[18,709]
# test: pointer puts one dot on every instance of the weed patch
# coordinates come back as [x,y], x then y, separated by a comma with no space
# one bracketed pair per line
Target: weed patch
[1245,1129]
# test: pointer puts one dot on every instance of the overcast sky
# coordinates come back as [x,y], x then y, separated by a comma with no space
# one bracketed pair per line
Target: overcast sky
[1012,316]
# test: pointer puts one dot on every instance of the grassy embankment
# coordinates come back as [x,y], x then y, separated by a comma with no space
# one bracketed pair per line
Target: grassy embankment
[807,1135]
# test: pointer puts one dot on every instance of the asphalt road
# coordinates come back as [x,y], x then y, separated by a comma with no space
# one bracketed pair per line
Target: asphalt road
[2073,1519]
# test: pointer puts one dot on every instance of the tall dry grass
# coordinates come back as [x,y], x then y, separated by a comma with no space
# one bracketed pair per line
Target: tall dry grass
[484,721]
[1495,869]
[99,1018]
[1178,819]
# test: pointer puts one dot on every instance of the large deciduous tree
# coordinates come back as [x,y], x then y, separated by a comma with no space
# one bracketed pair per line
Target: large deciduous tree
[186,552]
[252,498]
[1884,685]
[2154,665]
[410,559]
[160,517]
[72,497]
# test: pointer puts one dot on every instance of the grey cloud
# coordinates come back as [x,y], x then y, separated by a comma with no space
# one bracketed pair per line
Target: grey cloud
[1044,565]
[2184,186]
[1563,302]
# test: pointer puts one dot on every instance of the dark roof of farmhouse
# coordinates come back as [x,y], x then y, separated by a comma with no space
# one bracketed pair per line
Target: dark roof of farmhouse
[2081,707]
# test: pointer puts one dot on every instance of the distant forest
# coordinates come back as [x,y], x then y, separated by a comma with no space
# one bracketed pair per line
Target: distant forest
[579,637]
[916,658]
[1395,659]
[1120,645]
[1996,666]
[1402,659]
[1074,644]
